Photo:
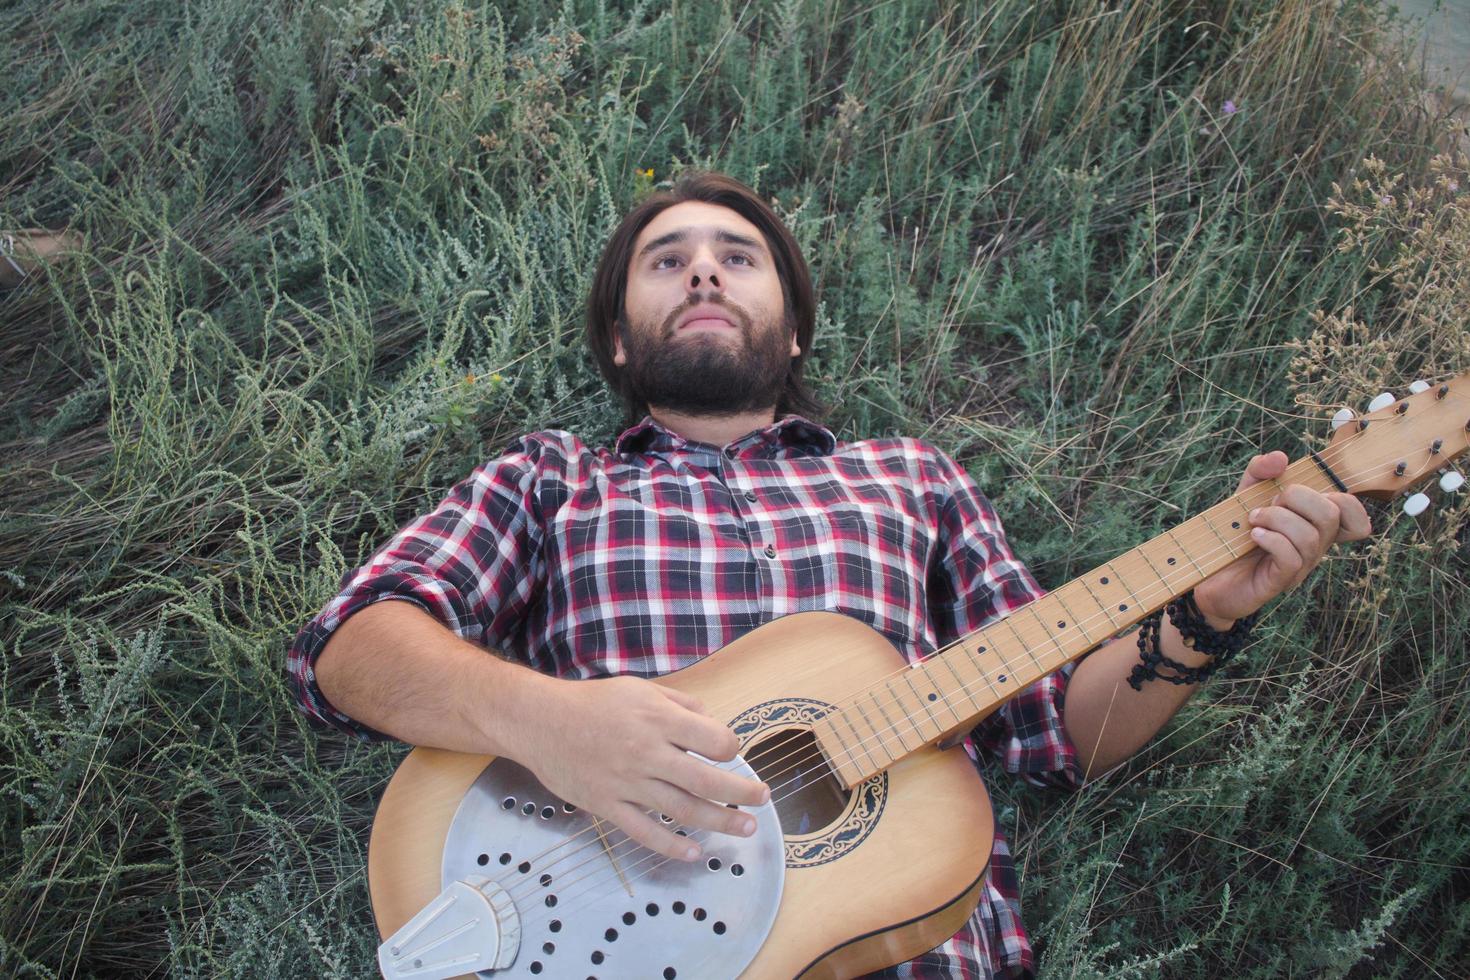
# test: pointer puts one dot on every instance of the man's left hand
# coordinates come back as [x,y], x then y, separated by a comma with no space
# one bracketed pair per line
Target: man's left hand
[1292,533]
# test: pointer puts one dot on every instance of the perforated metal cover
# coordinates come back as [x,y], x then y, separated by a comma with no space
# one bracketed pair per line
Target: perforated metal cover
[701,920]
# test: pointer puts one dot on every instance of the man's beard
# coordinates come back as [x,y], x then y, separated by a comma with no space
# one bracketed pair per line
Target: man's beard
[708,375]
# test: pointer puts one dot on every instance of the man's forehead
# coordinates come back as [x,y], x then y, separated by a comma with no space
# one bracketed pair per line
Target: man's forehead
[698,219]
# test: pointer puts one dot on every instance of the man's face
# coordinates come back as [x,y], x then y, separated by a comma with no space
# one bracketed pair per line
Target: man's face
[705,330]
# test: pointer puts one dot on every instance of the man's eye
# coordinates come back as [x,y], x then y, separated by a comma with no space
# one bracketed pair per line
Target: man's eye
[741,255]
[659,262]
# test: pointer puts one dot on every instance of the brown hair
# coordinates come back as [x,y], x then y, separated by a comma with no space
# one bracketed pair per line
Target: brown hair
[610,285]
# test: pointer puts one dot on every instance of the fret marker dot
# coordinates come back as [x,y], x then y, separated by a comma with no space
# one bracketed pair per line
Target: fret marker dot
[933,696]
[1123,607]
[1235,524]
[1171,561]
[1001,678]
[1104,580]
[1061,624]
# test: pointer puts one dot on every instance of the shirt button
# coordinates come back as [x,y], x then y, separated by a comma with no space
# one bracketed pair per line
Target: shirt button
[750,495]
[770,551]
[730,452]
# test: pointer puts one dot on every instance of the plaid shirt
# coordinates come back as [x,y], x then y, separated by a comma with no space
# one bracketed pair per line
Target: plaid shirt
[642,559]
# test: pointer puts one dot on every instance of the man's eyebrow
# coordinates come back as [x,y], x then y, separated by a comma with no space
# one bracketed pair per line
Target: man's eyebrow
[721,235]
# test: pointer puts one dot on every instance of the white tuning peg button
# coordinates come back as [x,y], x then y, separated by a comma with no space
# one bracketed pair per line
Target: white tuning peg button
[1343,417]
[1451,482]
[1382,401]
[1416,505]
[1419,386]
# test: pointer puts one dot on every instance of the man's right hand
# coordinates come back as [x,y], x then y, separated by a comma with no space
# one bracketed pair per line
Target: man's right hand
[619,747]
[615,746]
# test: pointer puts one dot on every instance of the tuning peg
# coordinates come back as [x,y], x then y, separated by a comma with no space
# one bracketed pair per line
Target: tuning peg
[1382,401]
[1416,504]
[1419,386]
[1451,482]
[1343,417]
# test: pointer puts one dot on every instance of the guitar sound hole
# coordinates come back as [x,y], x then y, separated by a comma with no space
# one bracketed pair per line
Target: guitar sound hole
[807,795]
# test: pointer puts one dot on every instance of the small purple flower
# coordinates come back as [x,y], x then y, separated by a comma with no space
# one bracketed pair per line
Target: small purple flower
[1385,199]
[1228,108]
[1453,187]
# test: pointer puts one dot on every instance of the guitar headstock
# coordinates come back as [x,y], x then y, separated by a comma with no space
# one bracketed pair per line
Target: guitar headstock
[1400,442]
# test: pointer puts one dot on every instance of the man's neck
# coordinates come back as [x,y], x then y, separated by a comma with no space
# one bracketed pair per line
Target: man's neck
[717,430]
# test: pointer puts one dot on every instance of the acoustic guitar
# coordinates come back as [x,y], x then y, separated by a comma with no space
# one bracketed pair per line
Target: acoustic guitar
[873,847]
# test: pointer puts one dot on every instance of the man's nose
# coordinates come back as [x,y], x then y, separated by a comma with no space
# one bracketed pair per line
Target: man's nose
[704,273]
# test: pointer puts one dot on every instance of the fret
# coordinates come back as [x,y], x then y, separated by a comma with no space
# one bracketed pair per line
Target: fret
[891,726]
[1024,645]
[1047,630]
[1187,553]
[1245,510]
[1211,525]
[1112,566]
[1102,607]
[1113,595]
[980,668]
[960,686]
[923,703]
[1155,555]
[1072,616]
[1005,665]
[861,742]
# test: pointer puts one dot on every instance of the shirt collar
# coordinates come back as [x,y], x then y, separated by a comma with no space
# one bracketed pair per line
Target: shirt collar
[787,437]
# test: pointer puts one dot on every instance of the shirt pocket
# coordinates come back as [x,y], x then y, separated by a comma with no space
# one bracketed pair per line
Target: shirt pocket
[880,556]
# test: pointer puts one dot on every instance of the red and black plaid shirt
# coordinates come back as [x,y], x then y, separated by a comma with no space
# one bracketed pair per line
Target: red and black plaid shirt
[642,559]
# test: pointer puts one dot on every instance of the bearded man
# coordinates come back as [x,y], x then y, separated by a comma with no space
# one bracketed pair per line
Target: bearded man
[554,579]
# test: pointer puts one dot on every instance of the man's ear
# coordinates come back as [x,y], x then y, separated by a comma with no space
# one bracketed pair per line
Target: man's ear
[795,347]
[620,356]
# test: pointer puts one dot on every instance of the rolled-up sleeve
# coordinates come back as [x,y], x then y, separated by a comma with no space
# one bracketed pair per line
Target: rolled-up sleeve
[974,580]
[473,563]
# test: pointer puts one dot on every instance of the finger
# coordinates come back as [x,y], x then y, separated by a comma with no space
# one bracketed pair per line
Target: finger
[711,782]
[702,734]
[694,812]
[1318,508]
[1273,532]
[1353,522]
[646,830]
[681,699]
[1286,560]
[1267,466]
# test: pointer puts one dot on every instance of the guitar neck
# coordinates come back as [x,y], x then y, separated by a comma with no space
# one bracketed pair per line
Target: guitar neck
[952,690]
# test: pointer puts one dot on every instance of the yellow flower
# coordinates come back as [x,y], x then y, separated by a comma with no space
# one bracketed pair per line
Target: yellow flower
[469,379]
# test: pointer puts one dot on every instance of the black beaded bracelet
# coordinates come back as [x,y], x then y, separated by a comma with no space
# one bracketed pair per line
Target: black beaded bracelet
[1197,633]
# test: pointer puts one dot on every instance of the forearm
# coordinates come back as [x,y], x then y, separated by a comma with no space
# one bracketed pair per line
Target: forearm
[1106,719]
[397,669]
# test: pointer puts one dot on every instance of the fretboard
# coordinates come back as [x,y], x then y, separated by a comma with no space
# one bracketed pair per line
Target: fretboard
[953,689]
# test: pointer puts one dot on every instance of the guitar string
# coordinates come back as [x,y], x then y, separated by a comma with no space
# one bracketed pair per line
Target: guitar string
[1266,488]
[653,855]
[895,728]
[852,696]
[878,734]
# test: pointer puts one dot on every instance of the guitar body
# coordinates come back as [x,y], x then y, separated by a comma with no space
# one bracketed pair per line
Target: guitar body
[894,870]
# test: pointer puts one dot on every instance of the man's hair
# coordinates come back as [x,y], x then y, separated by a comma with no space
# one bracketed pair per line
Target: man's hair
[605,303]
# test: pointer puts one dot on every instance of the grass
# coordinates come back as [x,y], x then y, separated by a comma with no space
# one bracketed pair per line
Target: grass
[335,257]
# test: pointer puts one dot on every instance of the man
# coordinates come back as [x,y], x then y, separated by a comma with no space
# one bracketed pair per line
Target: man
[722,509]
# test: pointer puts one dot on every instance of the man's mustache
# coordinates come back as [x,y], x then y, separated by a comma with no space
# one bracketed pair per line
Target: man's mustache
[737,313]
